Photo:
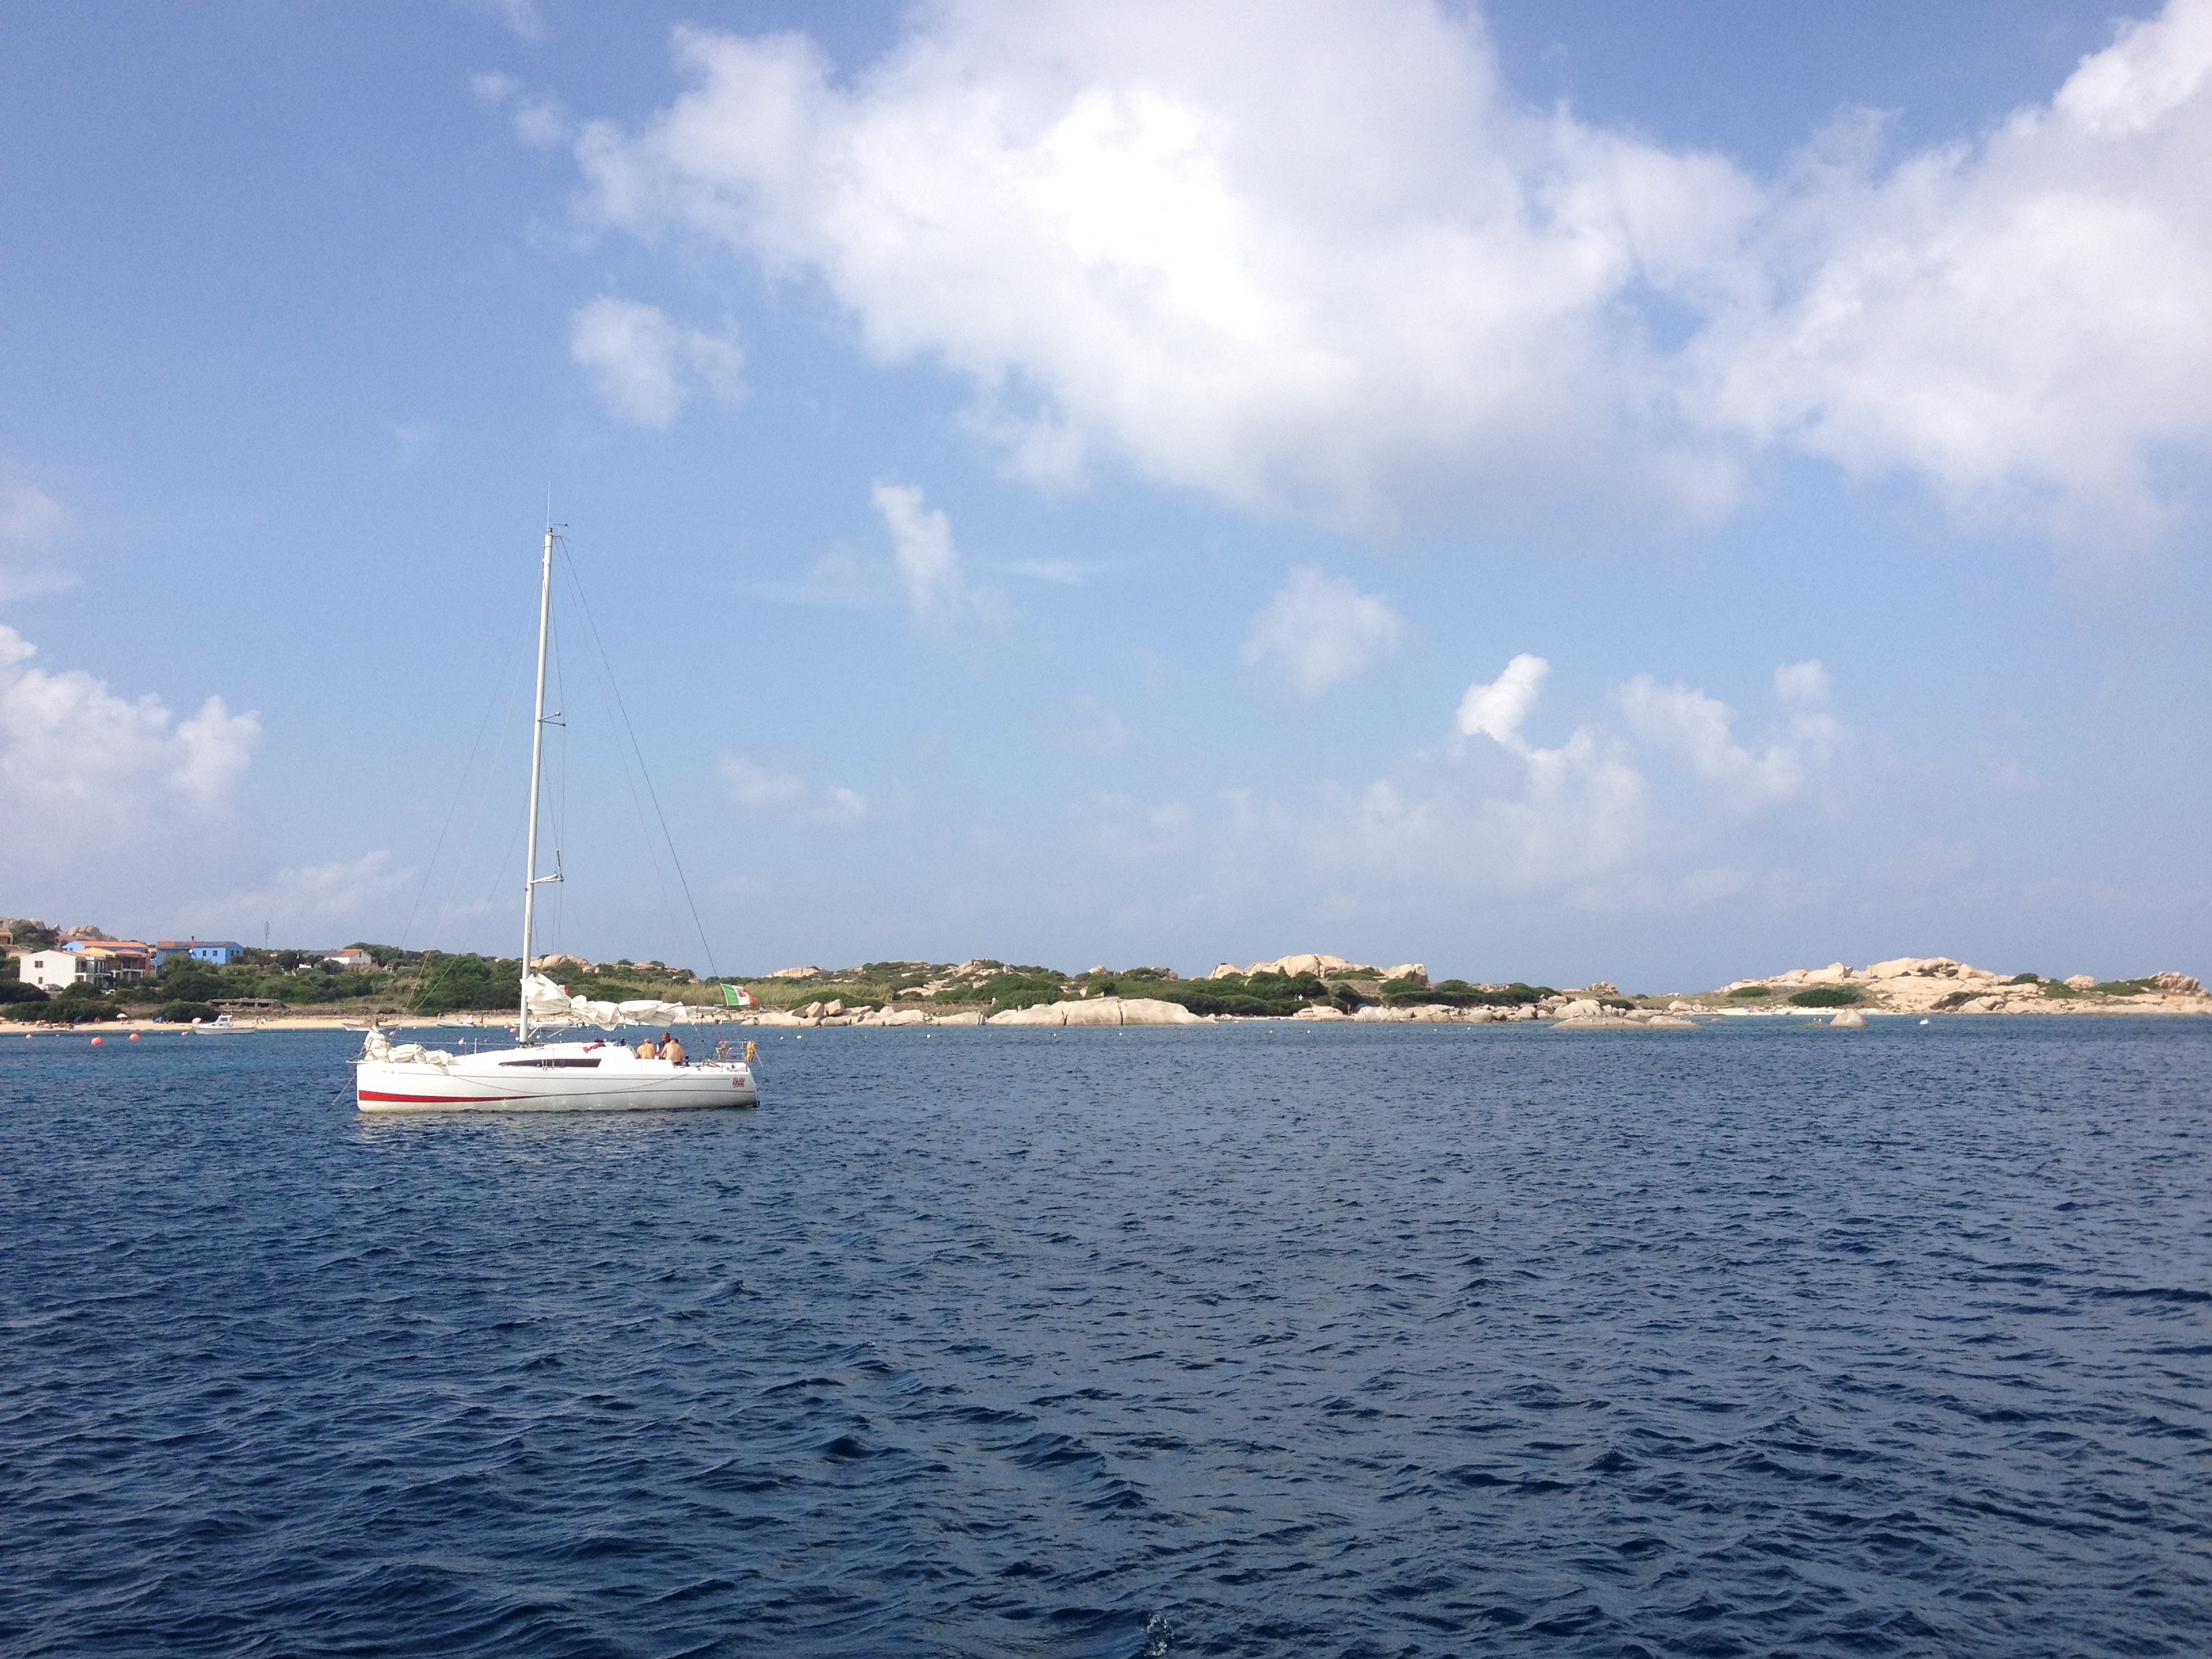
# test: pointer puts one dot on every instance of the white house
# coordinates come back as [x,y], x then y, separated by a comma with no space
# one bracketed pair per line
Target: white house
[353,959]
[57,970]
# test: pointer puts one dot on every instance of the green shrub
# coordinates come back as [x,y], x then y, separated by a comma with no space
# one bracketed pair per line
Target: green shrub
[13,990]
[184,980]
[2054,987]
[1249,1008]
[2125,988]
[591,985]
[184,1014]
[68,1010]
[1458,994]
[1264,996]
[1827,996]
[1751,991]
[469,981]
[26,1013]
[2025,979]
[1015,989]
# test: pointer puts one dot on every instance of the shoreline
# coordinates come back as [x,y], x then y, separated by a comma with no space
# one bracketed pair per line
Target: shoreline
[1699,1019]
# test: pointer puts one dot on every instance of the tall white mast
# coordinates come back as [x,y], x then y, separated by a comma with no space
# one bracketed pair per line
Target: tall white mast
[530,877]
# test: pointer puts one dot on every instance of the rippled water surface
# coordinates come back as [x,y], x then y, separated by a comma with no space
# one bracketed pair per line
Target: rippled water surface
[1250,1341]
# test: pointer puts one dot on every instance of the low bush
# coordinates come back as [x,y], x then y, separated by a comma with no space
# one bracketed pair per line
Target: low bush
[1751,991]
[2025,979]
[62,1010]
[1262,996]
[1458,994]
[184,1014]
[2125,988]
[2055,988]
[13,990]
[1017,989]
[1827,996]
[469,981]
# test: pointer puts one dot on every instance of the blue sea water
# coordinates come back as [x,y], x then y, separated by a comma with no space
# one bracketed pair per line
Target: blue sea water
[1254,1341]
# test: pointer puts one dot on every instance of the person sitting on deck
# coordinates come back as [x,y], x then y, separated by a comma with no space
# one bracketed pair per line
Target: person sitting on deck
[671,1049]
[648,1050]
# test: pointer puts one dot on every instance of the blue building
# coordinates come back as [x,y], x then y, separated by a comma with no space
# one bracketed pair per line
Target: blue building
[219,953]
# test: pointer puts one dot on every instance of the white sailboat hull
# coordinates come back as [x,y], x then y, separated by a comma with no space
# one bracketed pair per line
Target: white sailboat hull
[556,1077]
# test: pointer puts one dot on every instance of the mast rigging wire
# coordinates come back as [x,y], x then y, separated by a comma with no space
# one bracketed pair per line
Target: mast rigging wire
[606,670]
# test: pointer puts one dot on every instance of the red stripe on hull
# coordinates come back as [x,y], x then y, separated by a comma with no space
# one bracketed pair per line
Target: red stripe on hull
[439,1100]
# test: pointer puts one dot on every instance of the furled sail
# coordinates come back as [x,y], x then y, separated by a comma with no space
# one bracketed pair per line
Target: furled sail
[547,1001]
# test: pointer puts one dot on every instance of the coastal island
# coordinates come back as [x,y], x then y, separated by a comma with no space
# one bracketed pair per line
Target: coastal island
[1318,986]
[81,975]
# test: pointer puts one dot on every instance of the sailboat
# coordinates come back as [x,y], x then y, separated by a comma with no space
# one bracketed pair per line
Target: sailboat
[600,1076]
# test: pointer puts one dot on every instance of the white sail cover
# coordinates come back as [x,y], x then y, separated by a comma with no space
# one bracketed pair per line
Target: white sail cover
[547,1001]
[378,1047]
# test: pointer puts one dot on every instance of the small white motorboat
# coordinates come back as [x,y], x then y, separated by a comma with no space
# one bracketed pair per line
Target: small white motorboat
[221,1025]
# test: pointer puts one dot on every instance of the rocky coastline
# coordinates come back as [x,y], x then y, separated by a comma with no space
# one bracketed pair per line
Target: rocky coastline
[1314,988]
[1839,995]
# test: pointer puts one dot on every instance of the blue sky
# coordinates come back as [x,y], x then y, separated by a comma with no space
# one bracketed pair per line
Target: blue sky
[1642,491]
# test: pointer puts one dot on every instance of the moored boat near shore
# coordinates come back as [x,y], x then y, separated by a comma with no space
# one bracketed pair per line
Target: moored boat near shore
[602,1075]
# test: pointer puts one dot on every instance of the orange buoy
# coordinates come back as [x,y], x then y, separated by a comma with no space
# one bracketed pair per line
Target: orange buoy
[97,1042]
[134,1036]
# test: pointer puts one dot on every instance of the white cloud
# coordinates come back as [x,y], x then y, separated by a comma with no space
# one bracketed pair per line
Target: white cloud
[302,904]
[770,790]
[2019,320]
[1803,685]
[644,366]
[414,437]
[541,122]
[1312,258]
[1497,710]
[1087,727]
[80,765]
[522,18]
[1135,213]
[1579,814]
[1699,731]
[28,514]
[1592,819]
[1319,631]
[927,561]
[31,524]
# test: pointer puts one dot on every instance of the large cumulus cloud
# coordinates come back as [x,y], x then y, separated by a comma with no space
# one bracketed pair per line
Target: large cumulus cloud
[1312,258]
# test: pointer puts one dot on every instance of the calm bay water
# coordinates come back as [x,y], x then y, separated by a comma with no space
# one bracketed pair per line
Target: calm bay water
[1251,1341]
